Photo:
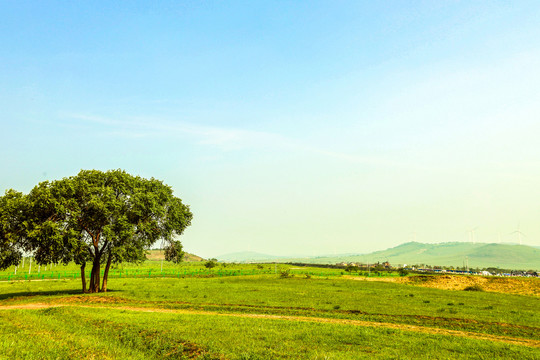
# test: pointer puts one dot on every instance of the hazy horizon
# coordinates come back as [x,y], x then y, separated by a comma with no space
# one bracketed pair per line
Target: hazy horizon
[300,255]
[313,128]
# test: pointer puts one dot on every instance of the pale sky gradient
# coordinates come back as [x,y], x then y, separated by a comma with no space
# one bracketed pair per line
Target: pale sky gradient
[289,127]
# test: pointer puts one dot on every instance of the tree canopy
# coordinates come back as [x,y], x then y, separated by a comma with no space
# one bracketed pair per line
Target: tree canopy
[11,228]
[94,217]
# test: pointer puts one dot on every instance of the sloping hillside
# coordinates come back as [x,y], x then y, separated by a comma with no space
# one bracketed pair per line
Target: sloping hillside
[456,254]
[447,254]
[158,255]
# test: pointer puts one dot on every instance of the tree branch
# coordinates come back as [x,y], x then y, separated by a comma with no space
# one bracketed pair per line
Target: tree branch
[104,247]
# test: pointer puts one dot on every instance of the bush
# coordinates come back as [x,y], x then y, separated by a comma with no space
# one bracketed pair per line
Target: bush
[403,272]
[210,264]
[284,274]
[474,288]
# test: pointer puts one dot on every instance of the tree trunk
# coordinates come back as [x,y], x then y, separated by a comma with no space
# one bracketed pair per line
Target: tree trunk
[94,279]
[91,278]
[106,273]
[83,277]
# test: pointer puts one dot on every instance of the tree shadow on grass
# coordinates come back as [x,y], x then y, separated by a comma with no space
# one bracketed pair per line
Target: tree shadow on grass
[28,294]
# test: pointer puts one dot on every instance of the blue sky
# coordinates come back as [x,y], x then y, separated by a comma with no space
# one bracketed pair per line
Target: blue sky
[289,127]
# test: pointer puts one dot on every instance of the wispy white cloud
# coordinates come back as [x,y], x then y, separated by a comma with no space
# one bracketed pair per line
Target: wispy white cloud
[227,139]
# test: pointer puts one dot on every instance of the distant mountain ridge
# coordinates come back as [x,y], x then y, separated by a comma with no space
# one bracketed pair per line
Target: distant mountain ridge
[442,254]
[248,256]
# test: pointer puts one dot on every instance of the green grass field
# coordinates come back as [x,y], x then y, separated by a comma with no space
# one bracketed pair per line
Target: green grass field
[261,315]
[157,268]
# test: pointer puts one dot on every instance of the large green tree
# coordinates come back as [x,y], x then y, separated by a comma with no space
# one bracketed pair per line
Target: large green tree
[100,218]
[12,216]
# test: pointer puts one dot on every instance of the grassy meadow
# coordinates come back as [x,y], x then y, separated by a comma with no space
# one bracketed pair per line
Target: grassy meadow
[157,268]
[259,312]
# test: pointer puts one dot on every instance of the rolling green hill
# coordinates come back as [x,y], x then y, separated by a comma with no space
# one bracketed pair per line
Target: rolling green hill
[446,254]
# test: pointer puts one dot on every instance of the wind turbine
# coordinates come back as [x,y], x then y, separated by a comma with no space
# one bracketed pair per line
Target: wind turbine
[472,237]
[519,234]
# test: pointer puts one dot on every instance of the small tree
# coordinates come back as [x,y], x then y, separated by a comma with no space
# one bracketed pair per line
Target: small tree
[210,264]
[174,252]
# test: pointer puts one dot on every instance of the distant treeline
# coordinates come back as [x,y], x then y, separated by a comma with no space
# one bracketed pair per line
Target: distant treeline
[373,267]
[419,269]
[324,266]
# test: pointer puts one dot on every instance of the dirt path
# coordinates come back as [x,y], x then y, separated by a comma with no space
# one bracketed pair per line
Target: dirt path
[404,327]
